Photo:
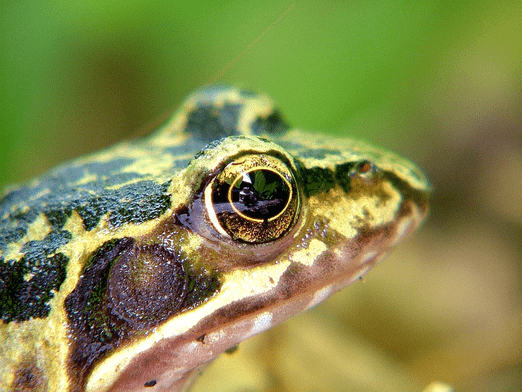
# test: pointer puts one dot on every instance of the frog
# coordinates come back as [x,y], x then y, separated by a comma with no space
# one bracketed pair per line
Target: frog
[132,268]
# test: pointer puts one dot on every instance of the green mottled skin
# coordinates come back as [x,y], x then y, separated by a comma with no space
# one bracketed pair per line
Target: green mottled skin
[107,257]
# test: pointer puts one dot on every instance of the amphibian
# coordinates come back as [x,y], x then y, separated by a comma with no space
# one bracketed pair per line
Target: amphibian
[129,269]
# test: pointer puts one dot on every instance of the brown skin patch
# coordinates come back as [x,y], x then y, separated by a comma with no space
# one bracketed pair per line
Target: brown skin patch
[235,311]
[30,378]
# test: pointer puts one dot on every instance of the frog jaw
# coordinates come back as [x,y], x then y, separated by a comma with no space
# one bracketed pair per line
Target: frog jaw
[277,292]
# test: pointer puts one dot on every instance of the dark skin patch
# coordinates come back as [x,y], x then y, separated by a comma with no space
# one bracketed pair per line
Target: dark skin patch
[14,222]
[342,177]
[29,378]
[294,277]
[233,312]
[84,307]
[138,203]
[232,349]
[208,122]
[316,180]
[419,198]
[146,285]
[27,285]
[273,124]
[11,235]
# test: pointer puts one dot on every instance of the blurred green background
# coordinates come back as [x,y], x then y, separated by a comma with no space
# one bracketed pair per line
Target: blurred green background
[436,81]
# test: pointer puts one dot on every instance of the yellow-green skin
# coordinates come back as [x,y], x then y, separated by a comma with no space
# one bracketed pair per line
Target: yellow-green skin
[115,274]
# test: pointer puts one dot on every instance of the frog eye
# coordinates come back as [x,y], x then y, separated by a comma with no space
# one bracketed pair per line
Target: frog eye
[254,199]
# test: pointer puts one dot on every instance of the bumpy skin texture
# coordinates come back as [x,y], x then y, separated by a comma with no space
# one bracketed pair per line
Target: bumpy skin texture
[116,275]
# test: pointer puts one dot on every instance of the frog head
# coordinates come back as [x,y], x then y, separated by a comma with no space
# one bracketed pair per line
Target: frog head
[219,225]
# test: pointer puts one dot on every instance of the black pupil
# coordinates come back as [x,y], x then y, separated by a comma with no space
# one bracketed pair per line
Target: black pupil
[260,194]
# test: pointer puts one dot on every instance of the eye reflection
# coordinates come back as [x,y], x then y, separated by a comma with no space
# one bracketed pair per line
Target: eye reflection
[254,199]
[259,194]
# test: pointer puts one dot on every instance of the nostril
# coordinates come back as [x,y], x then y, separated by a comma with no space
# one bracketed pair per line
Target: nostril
[150,383]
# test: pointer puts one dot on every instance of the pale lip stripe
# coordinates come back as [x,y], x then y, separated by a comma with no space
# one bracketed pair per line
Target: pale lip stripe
[320,296]
[262,322]
[369,255]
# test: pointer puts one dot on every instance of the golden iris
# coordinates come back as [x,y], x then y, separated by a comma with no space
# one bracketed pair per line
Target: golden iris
[254,199]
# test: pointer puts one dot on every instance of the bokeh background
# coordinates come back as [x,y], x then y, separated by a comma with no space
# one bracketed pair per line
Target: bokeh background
[436,81]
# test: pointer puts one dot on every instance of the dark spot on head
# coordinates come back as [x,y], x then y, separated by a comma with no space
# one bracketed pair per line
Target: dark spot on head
[208,122]
[58,217]
[27,285]
[316,180]
[419,197]
[150,383]
[138,202]
[146,285]
[342,175]
[273,124]
[132,203]
[201,338]
[14,234]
